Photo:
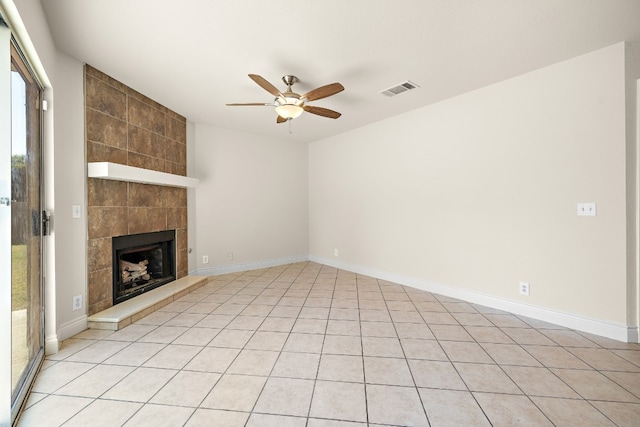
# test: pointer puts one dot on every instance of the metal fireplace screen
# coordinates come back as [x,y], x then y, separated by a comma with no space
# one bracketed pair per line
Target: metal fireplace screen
[142,262]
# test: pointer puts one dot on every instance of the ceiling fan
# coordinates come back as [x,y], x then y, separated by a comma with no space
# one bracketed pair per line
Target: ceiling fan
[289,104]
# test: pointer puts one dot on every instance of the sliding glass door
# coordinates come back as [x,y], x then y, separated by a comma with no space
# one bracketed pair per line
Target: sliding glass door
[21,202]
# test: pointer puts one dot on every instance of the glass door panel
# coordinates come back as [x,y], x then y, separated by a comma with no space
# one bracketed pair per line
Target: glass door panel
[26,236]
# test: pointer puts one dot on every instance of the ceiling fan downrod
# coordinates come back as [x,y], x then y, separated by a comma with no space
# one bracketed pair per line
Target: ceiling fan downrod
[289,80]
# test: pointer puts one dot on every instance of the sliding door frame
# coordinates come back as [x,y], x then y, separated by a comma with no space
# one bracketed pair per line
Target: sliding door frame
[13,30]
[33,364]
[5,225]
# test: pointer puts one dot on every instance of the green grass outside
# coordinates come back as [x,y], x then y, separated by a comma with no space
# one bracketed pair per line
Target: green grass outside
[18,277]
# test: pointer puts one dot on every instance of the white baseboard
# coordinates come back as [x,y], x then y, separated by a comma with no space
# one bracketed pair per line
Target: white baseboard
[234,268]
[74,327]
[614,330]
[51,345]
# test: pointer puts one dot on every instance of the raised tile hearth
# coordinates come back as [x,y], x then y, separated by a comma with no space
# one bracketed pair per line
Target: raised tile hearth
[129,311]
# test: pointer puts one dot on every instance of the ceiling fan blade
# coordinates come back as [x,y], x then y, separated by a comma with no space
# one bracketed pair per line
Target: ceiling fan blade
[264,84]
[250,104]
[323,91]
[280,119]
[324,112]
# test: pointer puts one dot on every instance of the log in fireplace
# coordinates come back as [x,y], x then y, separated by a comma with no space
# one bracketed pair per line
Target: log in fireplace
[142,262]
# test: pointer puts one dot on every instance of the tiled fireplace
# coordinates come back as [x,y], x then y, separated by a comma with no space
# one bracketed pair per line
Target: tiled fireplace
[125,127]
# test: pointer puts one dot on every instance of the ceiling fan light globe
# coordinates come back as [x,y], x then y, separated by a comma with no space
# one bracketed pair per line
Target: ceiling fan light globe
[289,111]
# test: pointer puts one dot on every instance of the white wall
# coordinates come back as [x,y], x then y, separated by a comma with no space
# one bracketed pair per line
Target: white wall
[70,185]
[251,200]
[479,192]
[632,75]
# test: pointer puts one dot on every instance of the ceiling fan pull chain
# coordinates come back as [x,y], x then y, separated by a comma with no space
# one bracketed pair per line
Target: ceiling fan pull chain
[290,120]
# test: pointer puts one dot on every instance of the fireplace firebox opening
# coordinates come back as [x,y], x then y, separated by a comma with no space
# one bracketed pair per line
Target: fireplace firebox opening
[142,262]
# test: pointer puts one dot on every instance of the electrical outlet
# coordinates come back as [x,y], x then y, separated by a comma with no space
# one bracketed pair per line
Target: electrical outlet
[335,252]
[205,259]
[77,302]
[230,255]
[586,209]
[524,288]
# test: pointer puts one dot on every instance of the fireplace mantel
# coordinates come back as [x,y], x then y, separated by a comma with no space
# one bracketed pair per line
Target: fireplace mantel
[118,172]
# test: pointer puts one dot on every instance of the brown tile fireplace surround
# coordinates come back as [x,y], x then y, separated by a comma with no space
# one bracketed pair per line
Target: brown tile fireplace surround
[123,126]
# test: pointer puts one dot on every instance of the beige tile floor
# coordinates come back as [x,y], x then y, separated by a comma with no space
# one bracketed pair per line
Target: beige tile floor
[310,345]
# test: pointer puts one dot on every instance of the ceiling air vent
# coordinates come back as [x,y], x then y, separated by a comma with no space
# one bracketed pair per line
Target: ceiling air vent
[398,89]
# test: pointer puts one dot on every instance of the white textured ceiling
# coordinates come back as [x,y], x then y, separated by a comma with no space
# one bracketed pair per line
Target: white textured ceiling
[194,55]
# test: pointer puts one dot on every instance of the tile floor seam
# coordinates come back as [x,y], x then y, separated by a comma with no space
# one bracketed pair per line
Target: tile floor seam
[226,369]
[415,386]
[404,354]
[364,371]
[76,414]
[567,384]
[493,360]
[624,388]
[535,405]
[590,403]
[324,338]
[506,374]
[589,370]
[72,379]
[486,416]
[500,366]
[315,380]
[581,397]
[275,363]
